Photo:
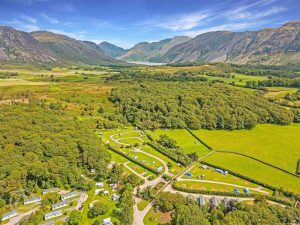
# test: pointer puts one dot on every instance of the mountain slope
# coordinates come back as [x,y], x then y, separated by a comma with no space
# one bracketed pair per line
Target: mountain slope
[267,46]
[21,46]
[111,50]
[71,50]
[152,52]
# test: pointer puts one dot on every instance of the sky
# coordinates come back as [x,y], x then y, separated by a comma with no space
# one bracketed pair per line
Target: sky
[127,22]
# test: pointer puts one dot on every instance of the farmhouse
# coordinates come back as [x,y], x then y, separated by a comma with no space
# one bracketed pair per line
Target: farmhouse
[107,221]
[201,200]
[59,205]
[100,184]
[32,200]
[68,195]
[50,190]
[9,215]
[53,214]
[48,223]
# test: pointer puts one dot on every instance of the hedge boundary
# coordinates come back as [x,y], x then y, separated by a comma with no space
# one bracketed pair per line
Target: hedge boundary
[196,137]
[258,160]
[133,160]
[220,193]
[166,153]
[285,193]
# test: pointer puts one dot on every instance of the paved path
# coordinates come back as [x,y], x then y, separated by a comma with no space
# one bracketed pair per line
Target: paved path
[224,183]
[20,216]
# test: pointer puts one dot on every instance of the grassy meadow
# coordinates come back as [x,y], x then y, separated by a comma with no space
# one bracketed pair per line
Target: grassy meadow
[255,170]
[277,145]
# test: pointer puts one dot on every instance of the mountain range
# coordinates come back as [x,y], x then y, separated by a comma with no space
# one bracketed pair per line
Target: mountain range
[273,46]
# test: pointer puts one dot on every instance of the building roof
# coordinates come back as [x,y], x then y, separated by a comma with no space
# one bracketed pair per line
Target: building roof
[201,200]
[9,213]
[54,213]
[33,199]
[69,194]
[60,203]
[214,201]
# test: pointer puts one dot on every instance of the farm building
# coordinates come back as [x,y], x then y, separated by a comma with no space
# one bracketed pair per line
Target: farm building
[201,200]
[48,223]
[159,169]
[53,214]
[100,184]
[107,221]
[68,195]
[115,197]
[9,215]
[49,190]
[32,200]
[59,205]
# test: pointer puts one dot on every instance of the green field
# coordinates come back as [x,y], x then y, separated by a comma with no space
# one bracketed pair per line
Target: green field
[19,82]
[277,145]
[211,175]
[184,139]
[255,170]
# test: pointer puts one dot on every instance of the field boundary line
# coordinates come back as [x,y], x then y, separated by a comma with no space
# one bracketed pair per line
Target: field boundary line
[199,139]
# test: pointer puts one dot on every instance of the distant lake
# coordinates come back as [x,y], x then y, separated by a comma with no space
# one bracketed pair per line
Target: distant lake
[147,63]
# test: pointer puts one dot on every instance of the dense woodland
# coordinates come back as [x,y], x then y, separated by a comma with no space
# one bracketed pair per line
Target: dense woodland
[40,146]
[196,105]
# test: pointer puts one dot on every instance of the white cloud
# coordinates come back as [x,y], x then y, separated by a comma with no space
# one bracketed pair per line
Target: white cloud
[223,27]
[178,22]
[241,14]
[49,19]
[29,19]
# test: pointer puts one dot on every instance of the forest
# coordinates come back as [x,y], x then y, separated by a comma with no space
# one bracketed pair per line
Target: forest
[41,147]
[196,105]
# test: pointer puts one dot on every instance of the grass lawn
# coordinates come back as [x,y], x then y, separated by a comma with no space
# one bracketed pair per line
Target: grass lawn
[277,145]
[212,175]
[148,160]
[184,139]
[174,169]
[103,199]
[155,218]
[194,185]
[255,170]
[142,205]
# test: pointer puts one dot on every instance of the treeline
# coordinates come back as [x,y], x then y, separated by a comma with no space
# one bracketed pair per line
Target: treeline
[42,147]
[186,211]
[274,82]
[195,105]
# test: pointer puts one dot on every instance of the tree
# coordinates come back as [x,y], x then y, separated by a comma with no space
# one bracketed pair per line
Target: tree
[99,208]
[75,218]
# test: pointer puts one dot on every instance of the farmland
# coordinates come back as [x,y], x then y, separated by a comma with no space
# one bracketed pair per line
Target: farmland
[277,145]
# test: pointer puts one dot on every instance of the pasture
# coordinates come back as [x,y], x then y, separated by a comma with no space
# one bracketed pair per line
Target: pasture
[19,82]
[184,140]
[277,145]
[256,170]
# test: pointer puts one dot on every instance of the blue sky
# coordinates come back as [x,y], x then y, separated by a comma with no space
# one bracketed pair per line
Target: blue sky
[127,22]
